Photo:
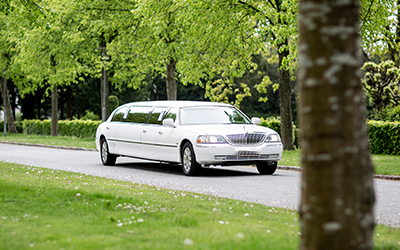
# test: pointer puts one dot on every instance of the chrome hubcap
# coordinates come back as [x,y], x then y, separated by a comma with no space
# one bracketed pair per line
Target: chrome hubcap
[187,159]
[104,151]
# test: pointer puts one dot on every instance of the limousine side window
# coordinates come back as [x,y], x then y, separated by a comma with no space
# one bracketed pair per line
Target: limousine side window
[171,114]
[119,114]
[138,114]
[157,115]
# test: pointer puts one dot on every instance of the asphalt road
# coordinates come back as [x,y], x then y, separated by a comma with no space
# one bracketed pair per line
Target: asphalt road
[243,183]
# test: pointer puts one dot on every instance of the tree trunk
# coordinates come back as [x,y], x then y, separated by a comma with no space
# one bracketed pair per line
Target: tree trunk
[54,111]
[104,99]
[69,102]
[171,81]
[9,114]
[337,198]
[285,93]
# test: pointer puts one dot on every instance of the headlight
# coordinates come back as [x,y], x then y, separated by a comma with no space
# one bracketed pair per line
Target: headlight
[273,138]
[210,139]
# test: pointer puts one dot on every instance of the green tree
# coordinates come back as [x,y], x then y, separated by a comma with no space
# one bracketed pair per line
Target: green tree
[382,83]
[380,29]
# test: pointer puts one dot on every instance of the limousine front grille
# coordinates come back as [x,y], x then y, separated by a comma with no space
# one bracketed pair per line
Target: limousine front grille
[248,138]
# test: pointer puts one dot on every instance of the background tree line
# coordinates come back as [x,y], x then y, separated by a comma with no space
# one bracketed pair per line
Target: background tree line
[232,51]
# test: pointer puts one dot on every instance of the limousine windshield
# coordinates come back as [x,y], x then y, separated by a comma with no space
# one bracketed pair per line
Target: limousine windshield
[212,115]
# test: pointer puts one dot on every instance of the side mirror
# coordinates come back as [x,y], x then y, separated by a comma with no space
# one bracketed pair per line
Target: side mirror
[168,122]
[256,120]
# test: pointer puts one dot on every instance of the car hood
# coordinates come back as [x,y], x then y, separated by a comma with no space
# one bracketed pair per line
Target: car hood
[228,129]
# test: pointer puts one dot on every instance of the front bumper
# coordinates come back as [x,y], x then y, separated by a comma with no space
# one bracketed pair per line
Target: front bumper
[227,154]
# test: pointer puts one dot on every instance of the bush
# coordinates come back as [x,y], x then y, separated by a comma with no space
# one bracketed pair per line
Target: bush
[76,128]
[384,137]
[18,125]
[275,124]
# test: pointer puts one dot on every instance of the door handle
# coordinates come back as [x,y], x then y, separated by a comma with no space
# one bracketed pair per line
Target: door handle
[107,127]
[144,131]
[160,132]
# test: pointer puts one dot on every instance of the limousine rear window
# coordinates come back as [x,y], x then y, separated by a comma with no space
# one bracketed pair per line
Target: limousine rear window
[119,114]
[212,115]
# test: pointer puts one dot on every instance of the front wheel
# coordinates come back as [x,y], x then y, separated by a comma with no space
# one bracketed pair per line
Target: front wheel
[106,158]
[267,168]
[189,165]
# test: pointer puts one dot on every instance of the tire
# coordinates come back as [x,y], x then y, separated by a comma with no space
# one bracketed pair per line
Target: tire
[267,168]
[189,165]
[106,158]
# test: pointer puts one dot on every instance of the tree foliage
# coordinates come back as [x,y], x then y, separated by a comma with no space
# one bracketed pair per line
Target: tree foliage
[382,83]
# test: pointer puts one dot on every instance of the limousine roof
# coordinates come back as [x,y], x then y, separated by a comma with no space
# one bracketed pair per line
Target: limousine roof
[178,103]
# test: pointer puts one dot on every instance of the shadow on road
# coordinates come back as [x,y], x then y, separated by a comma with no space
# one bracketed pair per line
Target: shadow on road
[175,169]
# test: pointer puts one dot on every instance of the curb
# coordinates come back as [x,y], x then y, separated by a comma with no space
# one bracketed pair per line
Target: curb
[376,176]
[291,168]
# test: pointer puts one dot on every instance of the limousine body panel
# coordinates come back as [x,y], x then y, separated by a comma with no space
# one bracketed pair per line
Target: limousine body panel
[195,134]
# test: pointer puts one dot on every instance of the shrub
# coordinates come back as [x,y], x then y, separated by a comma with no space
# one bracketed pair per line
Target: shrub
[275,124]
[384,137]
[76,128]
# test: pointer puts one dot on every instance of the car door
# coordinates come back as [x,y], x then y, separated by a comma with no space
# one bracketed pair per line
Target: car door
[131,130]
[168,140]
[113,130]
[150,133]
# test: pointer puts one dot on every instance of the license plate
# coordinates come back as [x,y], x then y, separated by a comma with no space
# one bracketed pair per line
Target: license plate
[248,153]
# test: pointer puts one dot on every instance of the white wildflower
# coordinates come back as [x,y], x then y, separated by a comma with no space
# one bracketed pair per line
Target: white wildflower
[240,235]
[188,242]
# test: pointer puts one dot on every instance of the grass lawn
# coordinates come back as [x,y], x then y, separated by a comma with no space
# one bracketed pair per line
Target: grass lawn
[49,209]
[384,164]
[51,140]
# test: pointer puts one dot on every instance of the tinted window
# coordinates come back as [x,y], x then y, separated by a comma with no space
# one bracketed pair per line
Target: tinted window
[213,115]
[171,114]
[119,114]
[157,115]
[138,114]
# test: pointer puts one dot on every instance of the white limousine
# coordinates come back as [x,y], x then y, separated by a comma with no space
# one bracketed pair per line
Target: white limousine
[191,133]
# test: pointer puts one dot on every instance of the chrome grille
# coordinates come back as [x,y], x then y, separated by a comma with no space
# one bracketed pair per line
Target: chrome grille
[248,138]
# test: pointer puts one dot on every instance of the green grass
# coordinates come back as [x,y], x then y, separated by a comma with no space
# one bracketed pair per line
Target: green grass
[65,141]
[49,209]
[384,164]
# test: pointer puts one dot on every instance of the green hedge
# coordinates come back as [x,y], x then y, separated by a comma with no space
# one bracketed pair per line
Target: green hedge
[77,128]
[275,124]
[384,137]
[18,125]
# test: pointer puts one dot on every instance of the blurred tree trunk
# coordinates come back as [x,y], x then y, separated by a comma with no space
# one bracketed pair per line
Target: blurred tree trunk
[9,114]
[54,111]
[337,197]
[171,81]
[104,80]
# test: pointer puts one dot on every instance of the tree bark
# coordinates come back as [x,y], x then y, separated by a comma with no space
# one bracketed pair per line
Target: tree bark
[171,81]
[104,80]
[69,102]
[285,93]
[9,114]
[337,196]
[54,111]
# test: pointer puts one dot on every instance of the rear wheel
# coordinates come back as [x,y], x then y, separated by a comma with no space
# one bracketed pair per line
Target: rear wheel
[106,158]
[267,167]
[189,165]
